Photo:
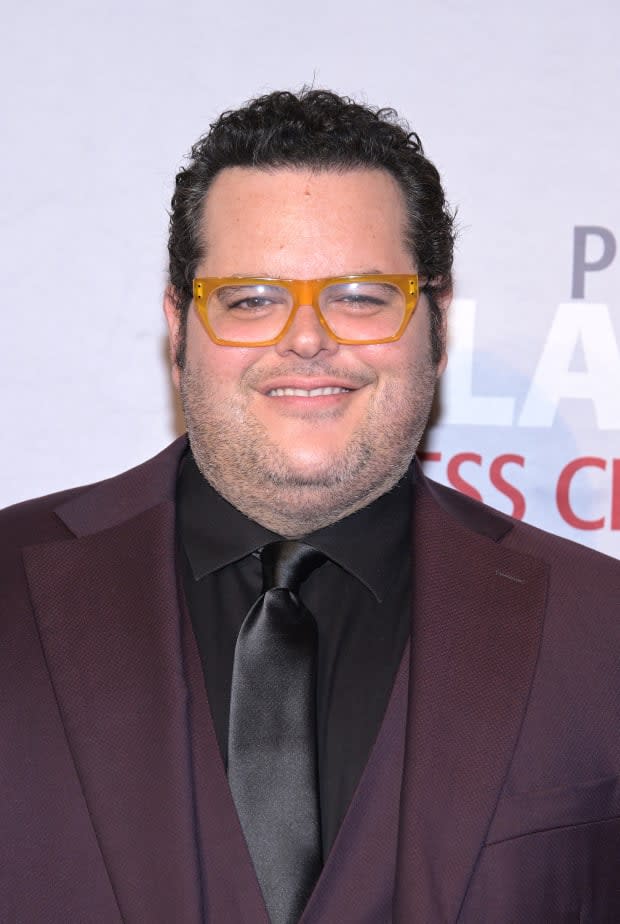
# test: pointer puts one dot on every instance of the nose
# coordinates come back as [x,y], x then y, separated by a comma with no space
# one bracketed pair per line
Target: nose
[306,336]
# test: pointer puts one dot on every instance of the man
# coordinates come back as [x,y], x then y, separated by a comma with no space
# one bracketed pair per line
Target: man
[275,673]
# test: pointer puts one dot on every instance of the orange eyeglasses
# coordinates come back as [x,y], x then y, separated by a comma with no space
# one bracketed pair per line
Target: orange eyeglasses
[248,311]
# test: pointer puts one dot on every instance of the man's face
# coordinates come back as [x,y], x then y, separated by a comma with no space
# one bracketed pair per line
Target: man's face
[296,463]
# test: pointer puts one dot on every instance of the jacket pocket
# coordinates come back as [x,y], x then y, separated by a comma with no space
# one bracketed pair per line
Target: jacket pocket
[544,809]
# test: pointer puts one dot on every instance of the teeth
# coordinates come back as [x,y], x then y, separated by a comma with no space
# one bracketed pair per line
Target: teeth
[306,392]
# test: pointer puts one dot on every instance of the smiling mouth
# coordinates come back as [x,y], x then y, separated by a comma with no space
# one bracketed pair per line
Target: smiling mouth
[307,392]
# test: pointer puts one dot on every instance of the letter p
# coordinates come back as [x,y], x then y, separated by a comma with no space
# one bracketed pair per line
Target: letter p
[581,265]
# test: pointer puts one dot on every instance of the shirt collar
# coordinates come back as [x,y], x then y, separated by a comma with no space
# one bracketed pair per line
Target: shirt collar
[373,543]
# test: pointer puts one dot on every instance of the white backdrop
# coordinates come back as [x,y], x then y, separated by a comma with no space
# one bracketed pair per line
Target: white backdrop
[517,104]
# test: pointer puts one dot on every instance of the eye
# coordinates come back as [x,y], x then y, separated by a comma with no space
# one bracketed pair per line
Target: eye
[250,303]
[359,296]
[361,299]
[356,301]
[253,299]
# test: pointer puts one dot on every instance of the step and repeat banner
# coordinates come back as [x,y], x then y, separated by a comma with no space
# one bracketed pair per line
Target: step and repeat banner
[517,106]
[539,438]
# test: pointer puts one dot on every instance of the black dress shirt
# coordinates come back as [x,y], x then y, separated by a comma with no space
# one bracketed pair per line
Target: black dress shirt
[359,598]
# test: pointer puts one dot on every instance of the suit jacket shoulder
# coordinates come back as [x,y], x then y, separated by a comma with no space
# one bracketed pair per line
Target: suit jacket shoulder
[105,502]
[563,555]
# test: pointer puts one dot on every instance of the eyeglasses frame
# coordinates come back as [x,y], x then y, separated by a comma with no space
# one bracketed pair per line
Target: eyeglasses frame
[304,292]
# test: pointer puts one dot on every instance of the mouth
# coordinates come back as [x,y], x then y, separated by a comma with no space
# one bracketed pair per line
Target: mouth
[294,385]
[307,392]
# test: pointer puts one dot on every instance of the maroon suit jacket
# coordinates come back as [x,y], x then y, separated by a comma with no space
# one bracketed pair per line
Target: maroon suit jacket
[510,796]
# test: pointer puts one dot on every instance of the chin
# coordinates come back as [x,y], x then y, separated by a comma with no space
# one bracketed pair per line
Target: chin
[310,466]
[327,469]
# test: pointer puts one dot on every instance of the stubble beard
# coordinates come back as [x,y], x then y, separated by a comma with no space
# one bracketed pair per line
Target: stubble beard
[235,453]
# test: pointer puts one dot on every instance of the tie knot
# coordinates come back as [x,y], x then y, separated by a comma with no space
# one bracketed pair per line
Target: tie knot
[288,563]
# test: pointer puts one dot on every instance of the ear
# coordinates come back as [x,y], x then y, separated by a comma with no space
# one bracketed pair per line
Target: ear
[173,320]
[444,302]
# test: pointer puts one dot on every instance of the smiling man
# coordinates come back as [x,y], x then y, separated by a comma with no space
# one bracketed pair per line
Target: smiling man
[275,674]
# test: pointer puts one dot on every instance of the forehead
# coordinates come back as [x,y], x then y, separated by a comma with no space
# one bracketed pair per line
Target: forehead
[290,217]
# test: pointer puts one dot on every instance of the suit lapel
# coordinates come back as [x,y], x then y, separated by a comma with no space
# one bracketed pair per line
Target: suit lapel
[477,617]
[106,606]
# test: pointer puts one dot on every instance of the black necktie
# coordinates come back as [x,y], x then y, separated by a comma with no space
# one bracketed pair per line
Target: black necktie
[272,763]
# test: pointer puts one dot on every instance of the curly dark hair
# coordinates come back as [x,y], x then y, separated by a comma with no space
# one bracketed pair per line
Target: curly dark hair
[323,131]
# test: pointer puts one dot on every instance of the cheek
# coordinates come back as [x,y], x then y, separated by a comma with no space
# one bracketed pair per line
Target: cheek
[220,368]
[392,363]
[223,375]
